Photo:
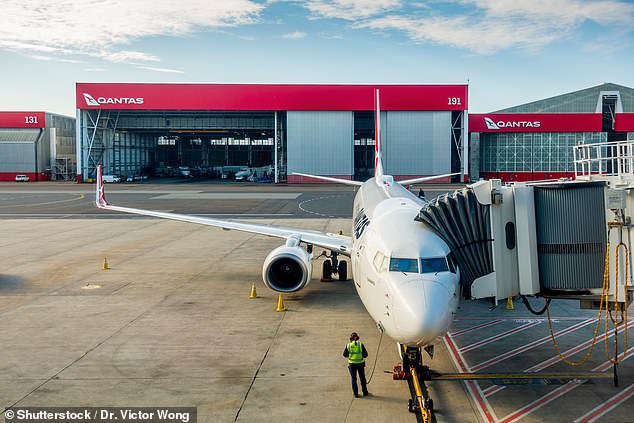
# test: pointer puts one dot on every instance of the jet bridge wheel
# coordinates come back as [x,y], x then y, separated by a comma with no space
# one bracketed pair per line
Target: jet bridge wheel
[343,270]
[326,271]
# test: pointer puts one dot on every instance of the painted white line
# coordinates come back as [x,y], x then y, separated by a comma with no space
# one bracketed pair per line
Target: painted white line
[524,348]
[485,409]
[608,364]
[229,196]
[301,206]
[483,325]
[493,389]
[497,337]
[574,350]
[607,406]
[539,403]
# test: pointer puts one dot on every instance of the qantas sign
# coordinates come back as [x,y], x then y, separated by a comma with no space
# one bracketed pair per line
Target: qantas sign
[91,101]
[535,122]
[510,124]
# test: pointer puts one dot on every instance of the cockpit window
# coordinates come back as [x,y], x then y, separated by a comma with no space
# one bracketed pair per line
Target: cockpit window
[451,262]
[403,265]
[434,265]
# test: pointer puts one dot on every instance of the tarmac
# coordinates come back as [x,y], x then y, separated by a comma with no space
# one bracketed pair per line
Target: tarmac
[171,324]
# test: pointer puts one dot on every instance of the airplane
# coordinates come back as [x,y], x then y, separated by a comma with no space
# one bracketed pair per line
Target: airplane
[404,273]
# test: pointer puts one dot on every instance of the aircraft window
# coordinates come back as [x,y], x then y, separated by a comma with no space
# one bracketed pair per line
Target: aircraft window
[404,265]
[450,262]
[434,265]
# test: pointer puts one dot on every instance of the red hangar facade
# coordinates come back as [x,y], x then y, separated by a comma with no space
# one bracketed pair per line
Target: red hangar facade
[535,141]
[212,129]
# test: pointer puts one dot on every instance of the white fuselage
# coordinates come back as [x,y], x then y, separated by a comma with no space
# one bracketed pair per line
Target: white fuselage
[402,269]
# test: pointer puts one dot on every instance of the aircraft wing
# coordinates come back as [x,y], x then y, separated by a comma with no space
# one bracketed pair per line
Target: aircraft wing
[425,179]
[338,243]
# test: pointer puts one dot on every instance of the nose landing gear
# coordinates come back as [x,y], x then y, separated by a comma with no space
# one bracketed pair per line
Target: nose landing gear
[416,374]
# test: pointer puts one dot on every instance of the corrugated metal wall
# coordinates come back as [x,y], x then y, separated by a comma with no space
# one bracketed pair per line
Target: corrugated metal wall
[416,143]
[17,150]
[571,236]
[320,142]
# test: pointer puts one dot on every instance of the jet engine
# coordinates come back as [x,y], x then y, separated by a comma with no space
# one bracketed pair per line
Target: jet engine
[287,268]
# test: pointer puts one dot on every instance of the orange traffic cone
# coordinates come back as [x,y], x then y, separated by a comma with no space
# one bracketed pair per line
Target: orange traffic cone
[254,293]
[105,264]
[509,304]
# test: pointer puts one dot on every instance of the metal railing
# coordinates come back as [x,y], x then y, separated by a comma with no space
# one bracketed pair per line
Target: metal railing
[604,159]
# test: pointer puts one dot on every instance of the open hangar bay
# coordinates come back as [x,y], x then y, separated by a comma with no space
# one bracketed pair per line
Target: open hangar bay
[170,322]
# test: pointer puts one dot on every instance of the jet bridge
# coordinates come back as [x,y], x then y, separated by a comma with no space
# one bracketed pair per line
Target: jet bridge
[557,239]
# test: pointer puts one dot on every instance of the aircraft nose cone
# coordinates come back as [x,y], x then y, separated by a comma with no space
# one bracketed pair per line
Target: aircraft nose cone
[423,312]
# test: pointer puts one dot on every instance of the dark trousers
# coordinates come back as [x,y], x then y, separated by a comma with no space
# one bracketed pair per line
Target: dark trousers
[354,369]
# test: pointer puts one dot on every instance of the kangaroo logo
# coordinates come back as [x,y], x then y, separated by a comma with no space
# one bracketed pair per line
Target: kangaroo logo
[490,124]
[90,100]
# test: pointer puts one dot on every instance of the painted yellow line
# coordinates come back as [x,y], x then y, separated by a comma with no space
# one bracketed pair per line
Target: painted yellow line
[81,196]
[475,376]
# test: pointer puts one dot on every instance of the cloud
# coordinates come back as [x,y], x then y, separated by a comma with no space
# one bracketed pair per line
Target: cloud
[350,9]
[100,28]
[53,59]
[297,35]
[488,26]
[164,70]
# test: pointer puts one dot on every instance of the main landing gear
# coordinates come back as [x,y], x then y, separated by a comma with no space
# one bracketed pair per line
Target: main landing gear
[333,265]
[416,374]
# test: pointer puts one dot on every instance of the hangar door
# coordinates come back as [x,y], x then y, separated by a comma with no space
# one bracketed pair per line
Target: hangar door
[417,143]
[320,142]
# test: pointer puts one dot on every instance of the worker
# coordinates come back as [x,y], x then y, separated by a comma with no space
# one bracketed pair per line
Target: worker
[356,353]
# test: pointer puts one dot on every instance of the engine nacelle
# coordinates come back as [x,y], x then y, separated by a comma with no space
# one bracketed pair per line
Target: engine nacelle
[287,268]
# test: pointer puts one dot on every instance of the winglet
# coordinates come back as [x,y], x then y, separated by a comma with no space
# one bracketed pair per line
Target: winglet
[100,199]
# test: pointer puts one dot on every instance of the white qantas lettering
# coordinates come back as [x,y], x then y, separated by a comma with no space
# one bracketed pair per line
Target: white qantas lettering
[511,124]
[90,100]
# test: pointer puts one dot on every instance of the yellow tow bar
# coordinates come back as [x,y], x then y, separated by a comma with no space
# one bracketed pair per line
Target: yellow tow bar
[425,409]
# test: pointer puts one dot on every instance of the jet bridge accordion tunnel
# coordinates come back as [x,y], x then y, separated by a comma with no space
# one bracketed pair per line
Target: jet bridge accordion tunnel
[545,239]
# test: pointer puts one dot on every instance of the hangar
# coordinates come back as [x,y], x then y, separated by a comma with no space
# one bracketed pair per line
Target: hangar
[201,129]
[39,145]
[534,141]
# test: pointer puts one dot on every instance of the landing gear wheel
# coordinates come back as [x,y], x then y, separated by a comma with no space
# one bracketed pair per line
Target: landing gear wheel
[326,271]
[410,406]
[343,270]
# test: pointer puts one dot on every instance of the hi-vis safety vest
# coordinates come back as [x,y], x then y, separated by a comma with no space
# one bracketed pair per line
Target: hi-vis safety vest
[355,352]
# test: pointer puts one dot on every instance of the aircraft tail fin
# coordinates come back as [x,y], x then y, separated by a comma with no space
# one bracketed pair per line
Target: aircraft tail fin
[100,199]
[378,164]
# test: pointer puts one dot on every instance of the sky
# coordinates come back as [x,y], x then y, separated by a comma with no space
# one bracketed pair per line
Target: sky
[509,51]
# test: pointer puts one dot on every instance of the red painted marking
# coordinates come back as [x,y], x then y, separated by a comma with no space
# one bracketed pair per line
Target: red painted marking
[524,411]
[474,390]
[607,406]
[497,337]
[541,319]
[608,364]
[574,350]
[528,346]
[483,325]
